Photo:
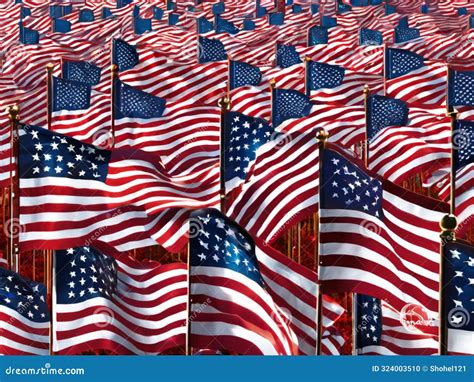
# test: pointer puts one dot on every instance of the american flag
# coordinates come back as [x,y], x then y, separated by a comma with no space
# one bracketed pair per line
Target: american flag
[281,190]
[228,296]
[376,237]
[380,330]
[24,316]
[121,305]
[413,79]
[97,186]
[334,84]
[458,282]
[460,88]
[404,141]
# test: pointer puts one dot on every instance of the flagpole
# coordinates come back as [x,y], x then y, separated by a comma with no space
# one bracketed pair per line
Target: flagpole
[452,203]
[449,109]
[49,92]
[188,350]
[114,78]
[272,91]
[14,226]
[225,105]
[448,226]
[307,61]
[49,286]
[366,146]
[228,79]
[384,69]
[322,137]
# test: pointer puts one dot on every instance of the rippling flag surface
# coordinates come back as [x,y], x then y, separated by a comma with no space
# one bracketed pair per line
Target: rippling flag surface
[460,88]
[120,305]
[24,316]
[69,189]
[231,308]
[376,237]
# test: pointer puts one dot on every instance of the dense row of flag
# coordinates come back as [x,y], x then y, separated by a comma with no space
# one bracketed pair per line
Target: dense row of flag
[141,154]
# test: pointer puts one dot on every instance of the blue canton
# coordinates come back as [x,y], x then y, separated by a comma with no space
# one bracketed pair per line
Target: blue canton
[369,321]
[463,144]
[370,37]
[346,186]
[243,136]
[225,26]
[125,56]
[406,34]
[286,56]
[81,71]
[400,62]
[289,104]
[134,103]
[70,95]
[221,243]
[458,283]
[383,112]
[318,35]
[461,88]
[86,15]
[141,26]
[44,153]
[243,74]
[26,297]
[28,36]
[276,18]
[204,25]
[325,76]
[211,50]
[84,273]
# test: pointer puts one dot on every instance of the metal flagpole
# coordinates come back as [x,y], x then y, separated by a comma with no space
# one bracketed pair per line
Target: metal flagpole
[49,286]
[322,137]
[225,106]
[49,92]
[188,349]
[307,62]
[14,227]
[448,226]
[114,78]
[454,116]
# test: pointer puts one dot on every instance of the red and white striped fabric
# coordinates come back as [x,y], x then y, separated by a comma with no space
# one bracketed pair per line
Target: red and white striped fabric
[394,256]
[146,314]
[186,137]
[426,85]
[345,124]
[332,342]
[283,187]
[398,340]
[350,92]
[79,209]
[398,152]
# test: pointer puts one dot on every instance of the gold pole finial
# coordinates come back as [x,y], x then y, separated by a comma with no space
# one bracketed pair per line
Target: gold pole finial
[307,58]
[366,89]
[13,112]
[448,226]
[50,67]
[322,136]
[273,83]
